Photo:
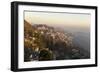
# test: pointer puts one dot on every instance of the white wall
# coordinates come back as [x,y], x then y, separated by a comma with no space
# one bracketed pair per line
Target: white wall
[5,17]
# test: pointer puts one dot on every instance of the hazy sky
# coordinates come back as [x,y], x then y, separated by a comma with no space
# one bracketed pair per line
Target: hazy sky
[58,19]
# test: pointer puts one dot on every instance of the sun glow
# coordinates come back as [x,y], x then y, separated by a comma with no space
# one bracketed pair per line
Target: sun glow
[58,19]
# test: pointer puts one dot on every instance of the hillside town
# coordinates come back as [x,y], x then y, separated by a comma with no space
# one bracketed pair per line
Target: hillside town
[42,42]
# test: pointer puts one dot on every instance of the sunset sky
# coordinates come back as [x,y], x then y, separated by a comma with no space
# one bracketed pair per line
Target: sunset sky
[58,19]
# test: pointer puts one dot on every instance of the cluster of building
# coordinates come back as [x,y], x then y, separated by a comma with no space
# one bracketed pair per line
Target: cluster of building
[56,36]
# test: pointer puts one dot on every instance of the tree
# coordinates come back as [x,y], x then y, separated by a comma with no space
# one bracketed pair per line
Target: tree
[45,54]
[27,50]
